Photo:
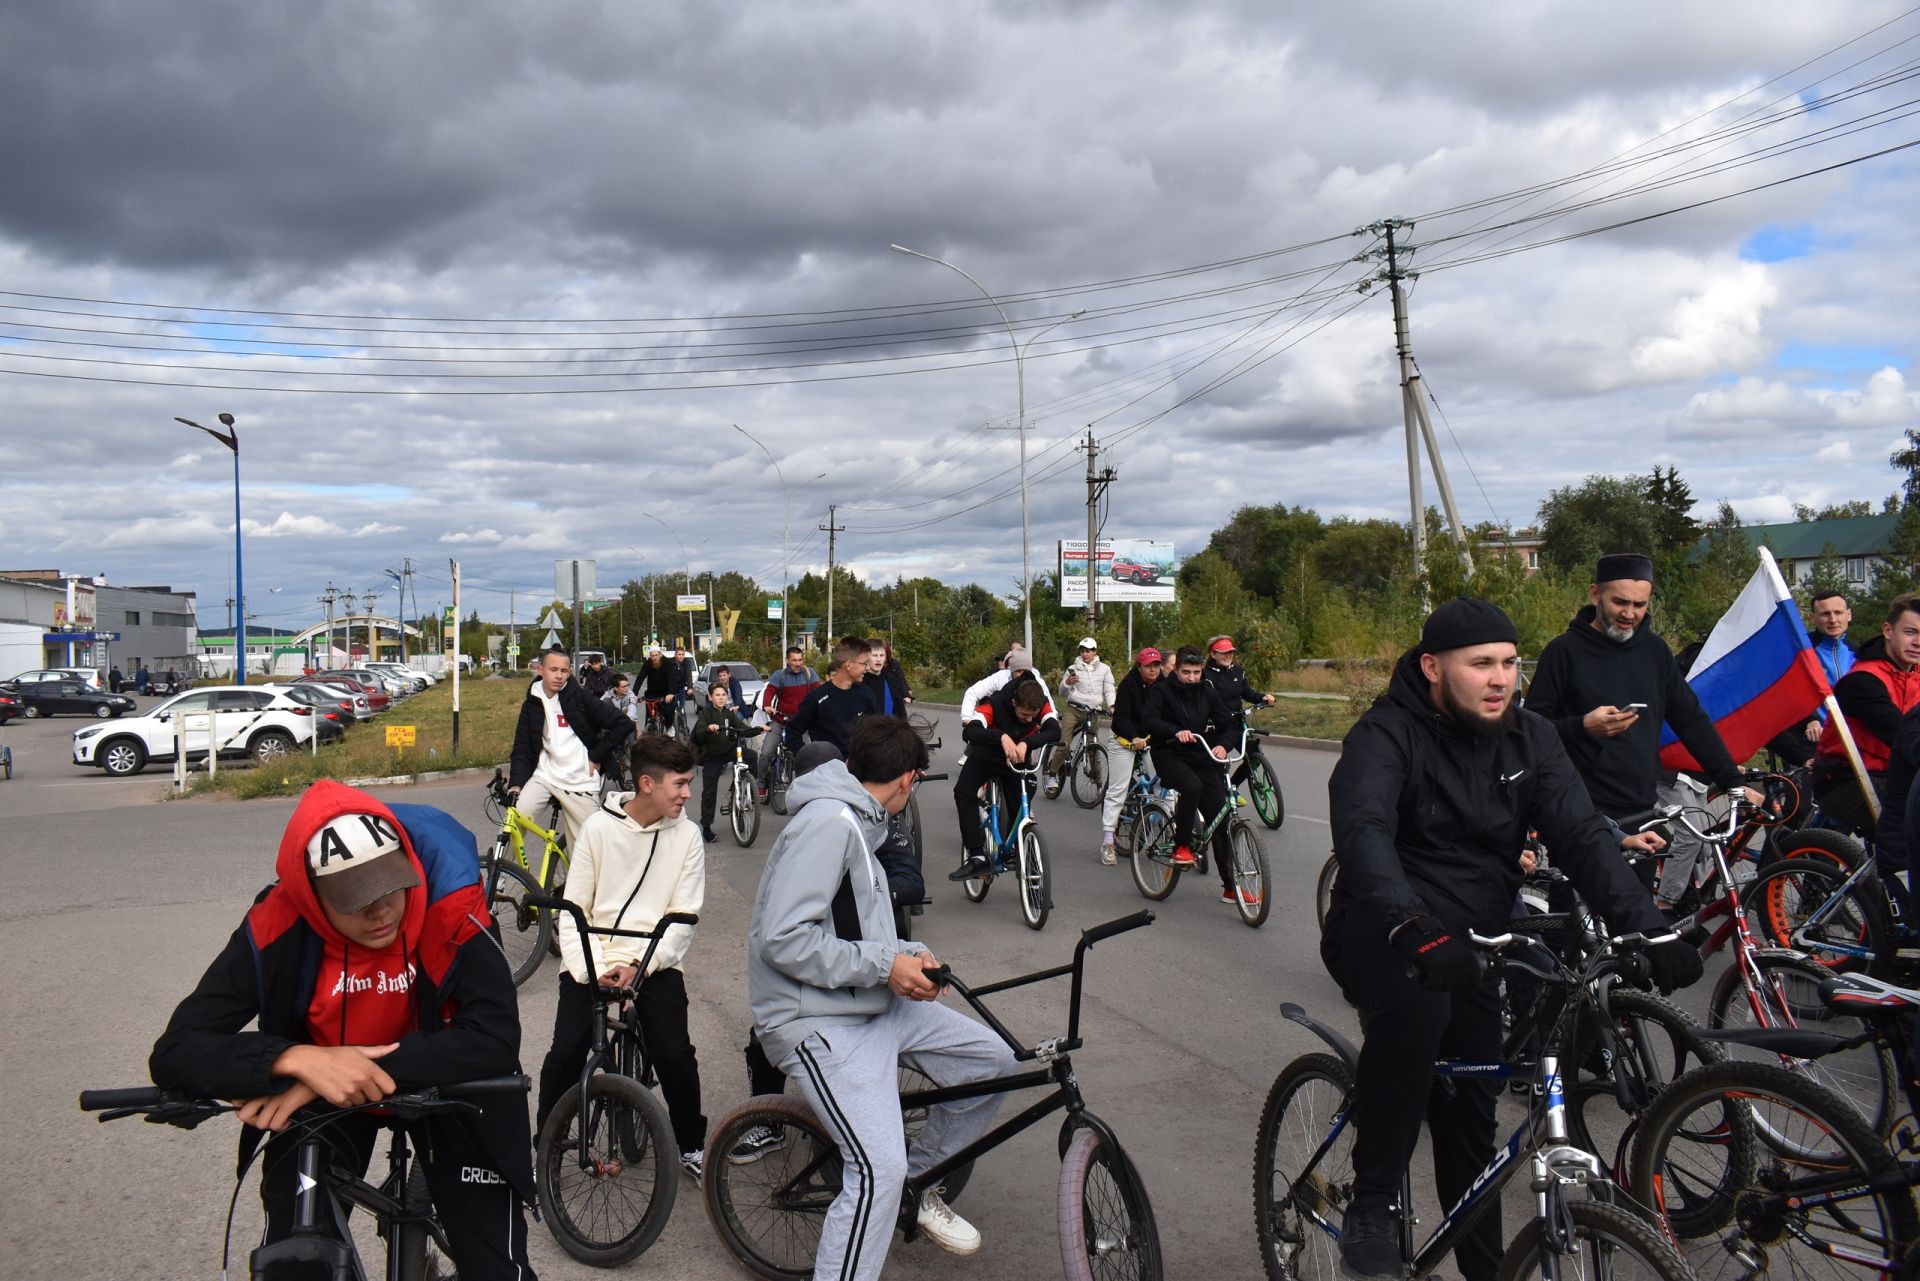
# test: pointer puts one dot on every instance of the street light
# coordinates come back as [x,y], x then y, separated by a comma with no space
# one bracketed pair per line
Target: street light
[273,625]
[231,439]
[1020,380]
[786,523]
[686,557]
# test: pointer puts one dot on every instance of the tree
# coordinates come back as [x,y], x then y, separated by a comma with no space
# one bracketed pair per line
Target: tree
[1675,529]
[1268,546]
[1828,575]
[1907,459]
[1580,523]
[1690,607]
[1832,511]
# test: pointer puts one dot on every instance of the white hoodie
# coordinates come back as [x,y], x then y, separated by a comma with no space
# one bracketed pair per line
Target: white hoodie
[627,876]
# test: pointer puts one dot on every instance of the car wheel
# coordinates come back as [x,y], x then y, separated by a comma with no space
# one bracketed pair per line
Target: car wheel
[33,713]
[121,757]
[270,745]
[103,712]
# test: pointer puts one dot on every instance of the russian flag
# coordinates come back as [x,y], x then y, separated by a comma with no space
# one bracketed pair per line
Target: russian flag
[1757,673]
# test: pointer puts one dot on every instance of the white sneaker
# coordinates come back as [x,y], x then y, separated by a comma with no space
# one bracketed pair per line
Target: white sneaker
[945,1228]
[1108,855]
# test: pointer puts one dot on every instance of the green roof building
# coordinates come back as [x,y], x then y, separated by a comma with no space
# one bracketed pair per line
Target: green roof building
[1862,544]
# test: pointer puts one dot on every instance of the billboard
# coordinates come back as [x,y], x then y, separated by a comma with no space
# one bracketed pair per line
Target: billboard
[690,602]
[1124,569]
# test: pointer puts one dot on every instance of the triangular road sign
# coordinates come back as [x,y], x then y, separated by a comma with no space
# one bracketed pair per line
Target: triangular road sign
[551,639]
[550,619]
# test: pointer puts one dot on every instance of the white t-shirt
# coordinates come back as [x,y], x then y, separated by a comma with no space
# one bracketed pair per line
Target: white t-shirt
[563,753]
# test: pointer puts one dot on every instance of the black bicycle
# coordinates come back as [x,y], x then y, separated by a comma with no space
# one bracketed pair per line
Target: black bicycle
[605,1160]
[1085,763]
[417,1247]
[769,1214]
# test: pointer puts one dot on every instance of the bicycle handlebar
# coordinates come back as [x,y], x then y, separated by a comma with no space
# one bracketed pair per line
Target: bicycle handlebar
[1099,933]
[139,1096]
[554,903]
[177,1108]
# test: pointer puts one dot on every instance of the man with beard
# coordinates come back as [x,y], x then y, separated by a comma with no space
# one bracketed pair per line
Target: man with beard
[1608,682]
[1436,789]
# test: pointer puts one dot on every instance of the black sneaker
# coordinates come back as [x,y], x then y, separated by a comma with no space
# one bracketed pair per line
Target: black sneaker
[1370,1245]
[708,835]
[974,865]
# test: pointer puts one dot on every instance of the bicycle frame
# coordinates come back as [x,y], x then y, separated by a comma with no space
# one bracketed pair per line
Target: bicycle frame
[1234,800]
[517,828]
[1831,947]
[1008,846]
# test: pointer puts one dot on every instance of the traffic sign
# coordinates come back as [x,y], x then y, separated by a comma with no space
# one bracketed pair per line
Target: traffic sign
[550,619]
[399,736]
[588,606]
[776,610]
[551,639]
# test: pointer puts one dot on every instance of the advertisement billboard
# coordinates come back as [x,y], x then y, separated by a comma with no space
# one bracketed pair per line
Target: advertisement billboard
[1124,569]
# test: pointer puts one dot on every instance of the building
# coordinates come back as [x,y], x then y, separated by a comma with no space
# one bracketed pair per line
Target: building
[50,619]
[1522,545]
[1862,545]
[156,626]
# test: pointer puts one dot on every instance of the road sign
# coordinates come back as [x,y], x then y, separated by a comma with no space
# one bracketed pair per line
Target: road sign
[548,641]
[776,610]
[588,606]
[687,604]
[400,736]
[550,619]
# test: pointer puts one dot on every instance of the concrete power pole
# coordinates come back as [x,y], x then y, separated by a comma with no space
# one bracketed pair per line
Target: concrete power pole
[1097,482]
[454,565]
[831,529]
[332,595]
[1413,409]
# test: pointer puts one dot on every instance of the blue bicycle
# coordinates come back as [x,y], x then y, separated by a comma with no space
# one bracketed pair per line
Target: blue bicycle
[1017,850]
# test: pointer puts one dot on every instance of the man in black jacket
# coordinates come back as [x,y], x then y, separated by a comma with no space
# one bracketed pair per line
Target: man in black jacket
[1436,789]
[1015,722]
[1189,723]
[561,742]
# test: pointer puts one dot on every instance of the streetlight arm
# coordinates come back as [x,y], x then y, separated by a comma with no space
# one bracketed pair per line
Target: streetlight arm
[915,253]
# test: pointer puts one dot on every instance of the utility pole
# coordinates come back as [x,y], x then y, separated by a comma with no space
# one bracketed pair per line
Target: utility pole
[513,630]
[332,595]
[406,577]
[1413,408]
[1097,482]
[831,529]
[455,750]
[576,606]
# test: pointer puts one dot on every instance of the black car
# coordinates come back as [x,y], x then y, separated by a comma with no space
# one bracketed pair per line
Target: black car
[48,698]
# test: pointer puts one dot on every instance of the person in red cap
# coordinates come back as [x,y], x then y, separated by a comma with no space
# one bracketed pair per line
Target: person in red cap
[1129,740]
[368,970]
[1229,680]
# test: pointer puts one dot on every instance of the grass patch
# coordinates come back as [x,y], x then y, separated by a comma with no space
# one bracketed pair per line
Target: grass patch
[1308,718]
[489,708]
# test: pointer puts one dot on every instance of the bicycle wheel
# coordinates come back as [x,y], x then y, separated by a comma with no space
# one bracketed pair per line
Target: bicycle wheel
[975,888]
[910,820]
[769,1213]
[1036,879]
[1090,777]
[1252,884]
[1608,1241]
[1789,996]
[523,931]
[746,811]
[1780,902]
[421,1258]
[1151,852]
[1106,1219]
[1843,851]
[914,1120]
[1299,1201]
[1655,1043]
[1323,888]
[1737,1207]
[1264,790]
[611,1209]
[779,779]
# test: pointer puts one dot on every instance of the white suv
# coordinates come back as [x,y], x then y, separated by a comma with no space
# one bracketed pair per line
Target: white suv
[241,720]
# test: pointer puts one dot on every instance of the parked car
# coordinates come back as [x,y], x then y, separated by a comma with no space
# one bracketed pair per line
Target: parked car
[350,692]
[260,721]
[415,682]
[10,706]
[75,698]
[372,686]
[85,675]
[745,675]
[332,710]
[160,686]
[1133,571]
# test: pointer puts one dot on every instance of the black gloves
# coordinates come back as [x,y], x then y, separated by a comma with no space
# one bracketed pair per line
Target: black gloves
[1446,961]
[1673,965]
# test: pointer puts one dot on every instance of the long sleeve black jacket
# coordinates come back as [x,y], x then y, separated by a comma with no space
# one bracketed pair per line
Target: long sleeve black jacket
[1130,705]
[600,725]
[1430,818]
[997,717]
[1173,705]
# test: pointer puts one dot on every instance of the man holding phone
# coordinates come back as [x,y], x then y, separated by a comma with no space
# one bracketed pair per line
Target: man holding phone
[1609,681]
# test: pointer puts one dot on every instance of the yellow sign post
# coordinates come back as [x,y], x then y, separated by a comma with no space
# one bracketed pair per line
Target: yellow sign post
[399,736]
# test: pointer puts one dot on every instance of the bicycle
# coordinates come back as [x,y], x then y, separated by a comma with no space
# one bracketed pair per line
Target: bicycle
[417,1246]
[1019,850]
[1844,919]
[1151,855]
[1303,1172]
[657,722]
[780,771]
[607,1185]
[525,930]
[1757,1168]
[769,1214]
[1086,762]
[743,807]
[1263,786]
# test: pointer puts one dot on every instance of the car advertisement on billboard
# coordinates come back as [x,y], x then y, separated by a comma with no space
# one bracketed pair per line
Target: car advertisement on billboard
[1124,569]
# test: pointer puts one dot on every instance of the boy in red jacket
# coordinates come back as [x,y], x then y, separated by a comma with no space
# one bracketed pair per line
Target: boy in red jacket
[369,970]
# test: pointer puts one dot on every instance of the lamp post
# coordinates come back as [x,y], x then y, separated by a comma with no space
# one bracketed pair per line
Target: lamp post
[1020,381]
[786,523]
[685,556]
[273,626]
[231,439]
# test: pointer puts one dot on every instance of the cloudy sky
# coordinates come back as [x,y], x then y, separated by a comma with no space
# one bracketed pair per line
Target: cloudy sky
[495,280]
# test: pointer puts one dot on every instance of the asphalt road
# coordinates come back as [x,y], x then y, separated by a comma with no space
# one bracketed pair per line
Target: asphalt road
[118,898]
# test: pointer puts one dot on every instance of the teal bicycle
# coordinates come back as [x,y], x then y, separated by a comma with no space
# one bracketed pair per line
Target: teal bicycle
[1016,851]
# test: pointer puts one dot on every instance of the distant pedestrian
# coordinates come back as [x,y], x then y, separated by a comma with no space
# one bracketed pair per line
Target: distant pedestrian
[173,681]
[142,679]
[115,681]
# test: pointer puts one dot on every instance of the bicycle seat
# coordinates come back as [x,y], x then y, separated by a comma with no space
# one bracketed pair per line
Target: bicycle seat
[1856,991]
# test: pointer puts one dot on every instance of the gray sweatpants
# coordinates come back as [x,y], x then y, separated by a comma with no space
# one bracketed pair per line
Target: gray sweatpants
[849,1076]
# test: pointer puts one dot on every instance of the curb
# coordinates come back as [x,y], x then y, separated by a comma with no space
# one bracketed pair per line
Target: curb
[408,780]
[1311,744]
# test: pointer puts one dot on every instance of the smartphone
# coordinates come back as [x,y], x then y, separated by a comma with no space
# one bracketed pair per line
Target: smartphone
[1634,707]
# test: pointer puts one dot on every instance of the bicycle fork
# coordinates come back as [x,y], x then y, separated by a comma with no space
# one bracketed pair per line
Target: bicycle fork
[1556,1166]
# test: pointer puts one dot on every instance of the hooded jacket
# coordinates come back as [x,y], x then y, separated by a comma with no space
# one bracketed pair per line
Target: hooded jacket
[995,716]
[1173,705]
[1873,696]
[1429,818]
[1581,669]
[785,690]
[1130,704]
[718,746]
[464,1014]
[822,941]
[1232,683]
[600,725]
[625,876]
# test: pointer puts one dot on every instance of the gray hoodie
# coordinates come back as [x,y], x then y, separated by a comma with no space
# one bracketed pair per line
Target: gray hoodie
[810,966]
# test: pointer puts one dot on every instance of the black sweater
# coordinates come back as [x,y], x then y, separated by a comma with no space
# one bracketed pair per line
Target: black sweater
[1130,704]
[828,713]
[1173,705]
[1582,669]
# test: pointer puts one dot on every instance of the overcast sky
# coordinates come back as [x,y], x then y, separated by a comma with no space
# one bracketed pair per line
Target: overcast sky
[528,262]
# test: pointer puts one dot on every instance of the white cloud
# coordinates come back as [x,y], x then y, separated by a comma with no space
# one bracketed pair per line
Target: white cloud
[1712,330]
[1840,451]
[288,525]
[472,536]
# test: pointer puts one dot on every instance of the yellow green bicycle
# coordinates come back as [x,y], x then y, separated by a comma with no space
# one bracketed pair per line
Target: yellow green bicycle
[526,932]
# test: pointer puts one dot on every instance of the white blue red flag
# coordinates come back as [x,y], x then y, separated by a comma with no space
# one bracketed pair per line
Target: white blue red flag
[1757,673]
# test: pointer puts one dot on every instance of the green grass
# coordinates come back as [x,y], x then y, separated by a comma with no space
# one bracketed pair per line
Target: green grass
[488,709]
[1308,718]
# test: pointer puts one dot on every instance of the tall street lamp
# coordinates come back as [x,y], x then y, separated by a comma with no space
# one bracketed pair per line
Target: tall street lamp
[687,559]
[1020,380]
[231,439]
[786,524]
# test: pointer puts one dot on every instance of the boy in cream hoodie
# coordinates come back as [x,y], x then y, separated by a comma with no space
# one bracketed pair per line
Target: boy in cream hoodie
[639,858]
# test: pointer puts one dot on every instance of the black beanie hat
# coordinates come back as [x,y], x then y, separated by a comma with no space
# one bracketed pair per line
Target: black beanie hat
[1466,621]
[1623,565]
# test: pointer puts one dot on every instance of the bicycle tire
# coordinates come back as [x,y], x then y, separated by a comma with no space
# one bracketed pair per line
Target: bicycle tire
[635,1167]
[976,887]
[769,1214]
[1036,879]
[1250,870]
[1609,1231]
[1704,1181]
[1147,855]
[1089,777]
[916,835]
[1297,1210]
[1106,1218]
[523,932]
[1790,989]
[779,779]
[1323,888]
[1263,789]
[1779,901]
[1838,848]
[1658,1043]
[420,1256]
[914,1120]
[745,817]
